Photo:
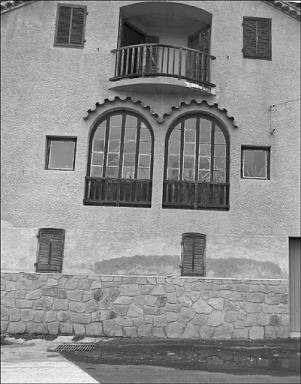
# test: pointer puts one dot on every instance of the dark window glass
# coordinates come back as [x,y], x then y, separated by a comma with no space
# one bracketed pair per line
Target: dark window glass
[60,153]
[255,163]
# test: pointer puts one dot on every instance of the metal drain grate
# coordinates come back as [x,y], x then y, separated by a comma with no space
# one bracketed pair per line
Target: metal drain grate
[78,347]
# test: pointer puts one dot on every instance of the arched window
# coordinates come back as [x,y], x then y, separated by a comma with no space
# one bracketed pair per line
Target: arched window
[120,162]
[196,172]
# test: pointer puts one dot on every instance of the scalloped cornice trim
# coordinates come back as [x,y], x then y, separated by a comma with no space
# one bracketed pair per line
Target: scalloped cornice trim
[160,119]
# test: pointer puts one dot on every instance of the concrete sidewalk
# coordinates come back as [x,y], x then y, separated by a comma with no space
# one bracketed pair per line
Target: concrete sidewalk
[35,361]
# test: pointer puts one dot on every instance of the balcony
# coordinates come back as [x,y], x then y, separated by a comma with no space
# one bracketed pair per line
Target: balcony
[163,47]
[195,195]
[118,192]
[153,60]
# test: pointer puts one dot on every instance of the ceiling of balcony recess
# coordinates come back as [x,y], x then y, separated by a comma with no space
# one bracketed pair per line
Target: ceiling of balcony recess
[152,16]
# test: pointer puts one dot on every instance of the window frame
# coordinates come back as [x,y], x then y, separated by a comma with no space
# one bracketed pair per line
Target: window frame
[267,150]
[104,117]
[69,45]
[49,139]
[195,205]
[258,57]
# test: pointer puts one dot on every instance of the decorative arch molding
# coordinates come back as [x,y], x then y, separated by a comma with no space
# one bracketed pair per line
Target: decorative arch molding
[192,106]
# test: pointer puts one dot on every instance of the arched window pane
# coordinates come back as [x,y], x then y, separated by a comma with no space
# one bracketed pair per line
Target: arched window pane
[205,131]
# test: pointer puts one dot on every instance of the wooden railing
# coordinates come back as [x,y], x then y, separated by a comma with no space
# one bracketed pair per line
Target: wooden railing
[162,60]
[118,192]
[195,195]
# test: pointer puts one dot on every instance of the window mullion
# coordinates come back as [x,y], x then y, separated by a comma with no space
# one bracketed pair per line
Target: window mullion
[182,150]
[212,151]
[121,146]
[105,157]
[196,164]
[137,148]
[70,26]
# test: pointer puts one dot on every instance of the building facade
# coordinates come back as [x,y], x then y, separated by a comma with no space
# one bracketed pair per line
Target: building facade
[150,138]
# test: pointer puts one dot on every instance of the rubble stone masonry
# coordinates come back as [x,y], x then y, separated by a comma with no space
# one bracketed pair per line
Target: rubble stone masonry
[131,306]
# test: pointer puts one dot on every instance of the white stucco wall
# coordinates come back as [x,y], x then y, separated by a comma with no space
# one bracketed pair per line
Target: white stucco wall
[47,90]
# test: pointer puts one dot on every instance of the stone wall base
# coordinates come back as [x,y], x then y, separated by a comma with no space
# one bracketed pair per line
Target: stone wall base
[131,306]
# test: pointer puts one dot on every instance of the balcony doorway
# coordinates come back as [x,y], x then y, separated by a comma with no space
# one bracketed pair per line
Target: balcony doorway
[197,65]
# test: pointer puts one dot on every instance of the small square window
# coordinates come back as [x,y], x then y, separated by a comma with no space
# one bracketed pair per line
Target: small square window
[255,163]
[60,154]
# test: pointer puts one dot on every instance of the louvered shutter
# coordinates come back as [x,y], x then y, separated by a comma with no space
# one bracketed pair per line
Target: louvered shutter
[193,249]
[50,250]
[70,26]
[257,38]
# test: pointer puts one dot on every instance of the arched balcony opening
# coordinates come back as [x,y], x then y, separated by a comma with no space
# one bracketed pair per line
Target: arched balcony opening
[164,39]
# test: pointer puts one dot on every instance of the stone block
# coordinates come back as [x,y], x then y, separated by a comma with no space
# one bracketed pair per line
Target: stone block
[151,300]
[4,325]
[253,307]
[282,331]
[11,276]
[256,333]
[84,284]
[38,316]
[36,328]
[158,332]
[240,333]
[158,290]
[191,332]
[145,330]
[9,299]
[20,294]
[123,300]
[193,295]
[87,296]
[130,331]
[138,322]
[171,298]
[96,284]
[23,303]
[148,319]
[200,306]
[231,316]
[24,284]
[160,321]
[186,314]
[91,306]
[145,289]
[60,304]
[4,314]
[179,290]
[152,280]
[43,303]
[94,329]
[110,328]
[130,290]
[9,286]
[200,319]
[121,310]
[105,303]
[52,282]
[223,331]
[26,315]
[71,283]
[284,319]
[141,280]
[79,329]
[61,294]
[75,295]
[173,307]
[16,327]
[124,321]
[185,301]
[134,311]
[53,328]
[138,300]
[274,320]
[62,316]
[3,285]
[171,317]
[216,303]
[215,318]
[75,306]
[231,306]
[174,330]
[66,328]
[162,300]
[50,316]
[34,295]
[81,318]
[113,293]
[254,297]
[169,288]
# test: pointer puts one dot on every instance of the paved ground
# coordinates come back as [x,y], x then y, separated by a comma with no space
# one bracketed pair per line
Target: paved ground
[36,361]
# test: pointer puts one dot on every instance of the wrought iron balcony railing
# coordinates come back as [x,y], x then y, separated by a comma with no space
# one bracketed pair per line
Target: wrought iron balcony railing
[162,60]
[118,192]
[195,195]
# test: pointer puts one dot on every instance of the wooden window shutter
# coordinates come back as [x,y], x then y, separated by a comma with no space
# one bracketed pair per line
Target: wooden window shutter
[50,250]
[193,249]
[257,38]
[70,26]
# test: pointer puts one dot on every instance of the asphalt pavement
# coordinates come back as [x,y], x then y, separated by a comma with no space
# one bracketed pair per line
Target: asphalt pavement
[146,361]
